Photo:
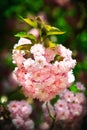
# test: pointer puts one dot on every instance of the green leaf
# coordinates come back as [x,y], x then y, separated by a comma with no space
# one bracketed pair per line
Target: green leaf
[53,30]
[54,100]
[32,37]
[21,34]
[26,35]
[30,21]
[48,28]
[49,44]
[23,47]
[54,33]
[57,58]
[18,95]
[74,89]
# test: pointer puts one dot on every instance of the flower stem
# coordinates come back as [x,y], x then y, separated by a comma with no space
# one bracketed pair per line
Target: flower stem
[52,117]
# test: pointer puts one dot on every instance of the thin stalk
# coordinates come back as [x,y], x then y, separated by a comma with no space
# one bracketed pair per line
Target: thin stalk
[52,117]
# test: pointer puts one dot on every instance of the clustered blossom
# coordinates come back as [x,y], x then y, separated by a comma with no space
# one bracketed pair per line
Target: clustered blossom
[41,74]
[71,105]
[69,108]
[19,112]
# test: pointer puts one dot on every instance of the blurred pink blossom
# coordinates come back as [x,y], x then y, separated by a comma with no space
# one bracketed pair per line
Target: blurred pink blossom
[39,77]
[19,112]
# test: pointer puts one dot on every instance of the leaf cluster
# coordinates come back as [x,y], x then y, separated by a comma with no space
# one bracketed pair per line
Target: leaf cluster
[44,29]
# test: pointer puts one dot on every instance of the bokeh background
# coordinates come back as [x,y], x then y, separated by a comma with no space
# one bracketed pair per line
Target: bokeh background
[68,15]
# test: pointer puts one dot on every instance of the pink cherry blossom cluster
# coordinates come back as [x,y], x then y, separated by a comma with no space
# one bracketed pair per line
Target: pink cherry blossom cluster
[69,108]
[19,112]
[43,72]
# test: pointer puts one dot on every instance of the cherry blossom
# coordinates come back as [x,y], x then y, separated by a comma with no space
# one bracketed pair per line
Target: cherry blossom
[42,75]
[19,112]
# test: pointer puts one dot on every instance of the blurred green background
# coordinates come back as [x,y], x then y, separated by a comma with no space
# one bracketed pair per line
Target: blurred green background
[68,15]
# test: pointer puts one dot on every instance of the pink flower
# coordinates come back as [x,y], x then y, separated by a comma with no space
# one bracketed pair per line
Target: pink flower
[39,77]
[16,56]
[61,50]
[44,126]
[37,49]
[19,108]
[62,114]
[69,96]
[61,105]
[18,122]
[79,98]
[13,106]
[28,63]
[40,61]
[19,112]
[35,32]
[29,125]
[20,73]
[49,54]
[70,105]
[75,109]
